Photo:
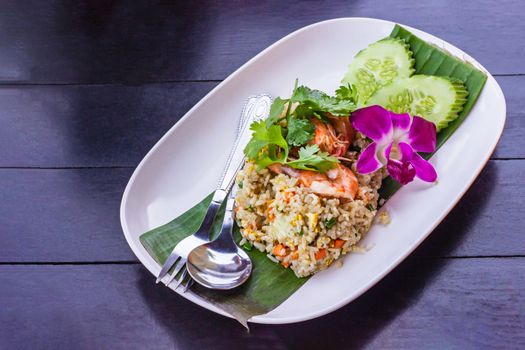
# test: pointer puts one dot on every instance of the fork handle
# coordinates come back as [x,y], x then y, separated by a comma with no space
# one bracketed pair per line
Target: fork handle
[225,239]
[213,208]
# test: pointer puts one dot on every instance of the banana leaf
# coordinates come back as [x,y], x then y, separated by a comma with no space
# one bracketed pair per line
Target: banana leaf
[432,60]
[270,284]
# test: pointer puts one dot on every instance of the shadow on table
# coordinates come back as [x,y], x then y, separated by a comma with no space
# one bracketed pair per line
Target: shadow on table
[352,326]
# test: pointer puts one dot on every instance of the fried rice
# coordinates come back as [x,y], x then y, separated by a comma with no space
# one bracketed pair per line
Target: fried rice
[297,228]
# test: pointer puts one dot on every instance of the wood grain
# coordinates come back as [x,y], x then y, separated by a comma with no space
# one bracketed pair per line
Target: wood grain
[63,215]
[92,125]
[431,304]
[115,125]
[510,144]
[122,41]
[96,84]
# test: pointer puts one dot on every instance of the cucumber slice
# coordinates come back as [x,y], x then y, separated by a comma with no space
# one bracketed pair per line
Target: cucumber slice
[437,99]
[378,65]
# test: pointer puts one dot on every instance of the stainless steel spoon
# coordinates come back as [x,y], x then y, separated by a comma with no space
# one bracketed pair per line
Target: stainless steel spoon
[220,264]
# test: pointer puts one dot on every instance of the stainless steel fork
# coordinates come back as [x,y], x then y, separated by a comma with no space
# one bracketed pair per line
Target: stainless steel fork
[256,107]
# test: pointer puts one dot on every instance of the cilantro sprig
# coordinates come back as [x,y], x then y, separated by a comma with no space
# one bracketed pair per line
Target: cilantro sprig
[310,158]
[315,102]
[267,145]
[288,128]
[347,92]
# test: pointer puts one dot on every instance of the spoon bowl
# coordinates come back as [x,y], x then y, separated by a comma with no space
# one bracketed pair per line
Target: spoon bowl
[217,265]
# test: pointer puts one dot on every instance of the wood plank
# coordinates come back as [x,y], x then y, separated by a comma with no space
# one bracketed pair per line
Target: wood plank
[92,125]
[115,125]
[139,41]
[62,215]
[424,303]
[73,215]
[510,144]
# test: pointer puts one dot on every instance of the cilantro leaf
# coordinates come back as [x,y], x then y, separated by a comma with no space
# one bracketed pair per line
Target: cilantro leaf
[316,101]
[254,148]
[347,92]
[265,145]
[310,158]
[270,143]
[270,135]
[300,131]
[276,110]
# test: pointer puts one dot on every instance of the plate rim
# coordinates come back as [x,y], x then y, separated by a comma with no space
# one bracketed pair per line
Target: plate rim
[262,319]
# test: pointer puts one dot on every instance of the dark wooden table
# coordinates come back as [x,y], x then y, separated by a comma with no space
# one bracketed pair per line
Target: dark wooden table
[86,90]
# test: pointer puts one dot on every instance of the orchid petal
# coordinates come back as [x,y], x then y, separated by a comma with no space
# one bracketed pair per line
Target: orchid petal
[406,151]
[374,122]
[400,122]
[368,161]
[403,172]
[424,170]
[422,135]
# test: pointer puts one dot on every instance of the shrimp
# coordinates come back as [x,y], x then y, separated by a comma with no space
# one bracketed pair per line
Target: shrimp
[335,137]
[338,182]
[345,130]
[324,136]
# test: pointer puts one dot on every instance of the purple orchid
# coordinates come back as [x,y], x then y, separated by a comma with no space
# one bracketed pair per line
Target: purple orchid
[396,140]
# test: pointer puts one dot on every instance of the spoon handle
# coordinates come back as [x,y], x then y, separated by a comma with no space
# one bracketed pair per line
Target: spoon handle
[256,108]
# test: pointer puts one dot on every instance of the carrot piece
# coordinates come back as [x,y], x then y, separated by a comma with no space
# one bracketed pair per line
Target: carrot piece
[320,254]
[279,250]
[285,264]
[270,213]
[338,243]
[295,256]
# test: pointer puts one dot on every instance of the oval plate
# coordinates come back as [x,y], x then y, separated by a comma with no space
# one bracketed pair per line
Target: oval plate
[183,167]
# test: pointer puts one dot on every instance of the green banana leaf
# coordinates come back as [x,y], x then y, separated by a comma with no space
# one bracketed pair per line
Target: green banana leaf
[432,60]
[270,284]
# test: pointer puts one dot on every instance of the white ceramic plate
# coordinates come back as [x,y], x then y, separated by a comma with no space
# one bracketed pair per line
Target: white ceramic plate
[183,167]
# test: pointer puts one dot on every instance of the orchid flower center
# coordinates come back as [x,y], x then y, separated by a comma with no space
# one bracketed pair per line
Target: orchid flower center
[396,141]
[394,151]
